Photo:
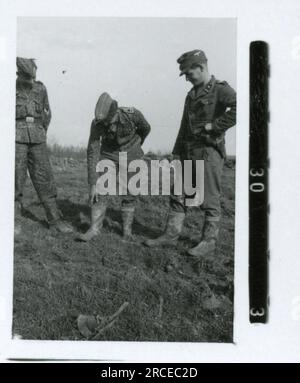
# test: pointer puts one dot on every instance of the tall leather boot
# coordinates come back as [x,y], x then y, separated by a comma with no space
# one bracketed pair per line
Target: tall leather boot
[97,216]
[171,233]
[127,219]
[54,217]
[208,241]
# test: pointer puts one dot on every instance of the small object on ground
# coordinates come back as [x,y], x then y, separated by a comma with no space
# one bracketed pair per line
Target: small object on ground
[211,303]
[87,325]
[92,326]
[168,268]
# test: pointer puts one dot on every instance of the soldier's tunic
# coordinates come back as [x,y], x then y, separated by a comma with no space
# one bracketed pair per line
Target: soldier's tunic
[33,116]
[216,104]
[126,133]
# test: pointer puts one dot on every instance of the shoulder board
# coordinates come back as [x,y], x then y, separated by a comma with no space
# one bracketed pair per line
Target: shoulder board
[40,84]
[127,109]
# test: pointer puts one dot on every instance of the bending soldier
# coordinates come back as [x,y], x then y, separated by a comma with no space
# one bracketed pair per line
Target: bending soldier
[114,130]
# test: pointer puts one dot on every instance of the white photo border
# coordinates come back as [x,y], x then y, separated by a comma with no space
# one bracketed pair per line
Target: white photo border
[271,20]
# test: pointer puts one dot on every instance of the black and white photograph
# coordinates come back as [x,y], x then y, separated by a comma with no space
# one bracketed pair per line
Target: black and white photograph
[99,106]
[149,208]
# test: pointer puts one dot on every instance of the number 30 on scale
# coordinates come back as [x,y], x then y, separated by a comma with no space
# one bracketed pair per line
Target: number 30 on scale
[257,187]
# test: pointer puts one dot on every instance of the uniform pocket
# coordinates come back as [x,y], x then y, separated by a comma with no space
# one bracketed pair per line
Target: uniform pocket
[197,126]
[203,112]
[38,106]
[21,111]
[38,134]
[208,110]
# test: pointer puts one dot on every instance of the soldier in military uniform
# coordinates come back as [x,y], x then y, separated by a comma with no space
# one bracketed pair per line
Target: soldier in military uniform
[33,116]
[209,110]
[113,130]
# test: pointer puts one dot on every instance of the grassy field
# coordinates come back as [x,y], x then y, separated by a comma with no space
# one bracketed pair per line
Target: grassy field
[170,297]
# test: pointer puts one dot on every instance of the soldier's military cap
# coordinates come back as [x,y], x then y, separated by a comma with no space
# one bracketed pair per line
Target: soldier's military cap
[103,107]
[191,58]
[26,67]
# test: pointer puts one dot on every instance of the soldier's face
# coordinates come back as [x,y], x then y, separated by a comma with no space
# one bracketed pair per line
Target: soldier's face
[195,75]
[107,122]
[34,73]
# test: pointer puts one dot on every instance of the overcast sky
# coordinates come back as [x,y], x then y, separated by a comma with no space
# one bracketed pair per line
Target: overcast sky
[133,59]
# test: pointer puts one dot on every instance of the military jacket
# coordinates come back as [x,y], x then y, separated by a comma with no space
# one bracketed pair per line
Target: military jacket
[126,133]
[215,104]
[33,112]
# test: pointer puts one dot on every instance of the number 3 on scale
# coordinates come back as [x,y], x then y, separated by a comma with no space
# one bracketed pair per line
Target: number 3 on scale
[257,187]
[257,312]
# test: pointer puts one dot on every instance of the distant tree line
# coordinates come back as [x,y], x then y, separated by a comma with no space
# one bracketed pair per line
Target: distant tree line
[76,152]
[79,153]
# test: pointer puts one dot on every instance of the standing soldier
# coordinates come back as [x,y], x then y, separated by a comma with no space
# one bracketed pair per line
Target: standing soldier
[113,130]
[32,120]
[209,110]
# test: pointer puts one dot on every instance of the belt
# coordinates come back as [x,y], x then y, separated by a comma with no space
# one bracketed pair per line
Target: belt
[30,119]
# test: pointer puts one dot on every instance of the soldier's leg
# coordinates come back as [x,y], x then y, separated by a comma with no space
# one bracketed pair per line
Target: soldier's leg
[127,202]
[174,222]
[43,181]
[21,156]
[127,212]
[21,153]
[98,210]
[213,167]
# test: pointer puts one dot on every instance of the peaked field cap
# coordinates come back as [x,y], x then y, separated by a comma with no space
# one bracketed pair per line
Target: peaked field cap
[188,59]
[26,66]
[103,105]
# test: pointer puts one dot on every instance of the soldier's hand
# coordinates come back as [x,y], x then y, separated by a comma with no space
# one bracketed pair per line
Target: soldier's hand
[93,196]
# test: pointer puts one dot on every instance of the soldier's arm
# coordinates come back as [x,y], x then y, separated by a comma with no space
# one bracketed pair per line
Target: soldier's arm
[143,127]
[46,109]
[227,97]
[93,151]
[179,140]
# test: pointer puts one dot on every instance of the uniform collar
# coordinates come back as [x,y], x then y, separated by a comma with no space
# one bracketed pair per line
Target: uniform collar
[195,93]
[116,117]
[24,85]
